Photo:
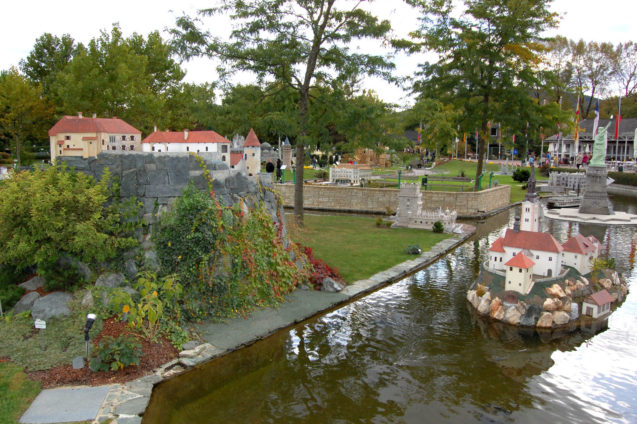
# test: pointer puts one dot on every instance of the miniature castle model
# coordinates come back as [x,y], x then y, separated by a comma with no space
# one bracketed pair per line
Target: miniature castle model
[86,137]
[524,254]
[410,214]
[286,153]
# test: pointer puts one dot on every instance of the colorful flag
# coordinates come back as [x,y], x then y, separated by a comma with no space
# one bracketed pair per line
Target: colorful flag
[619,118]
[596,121]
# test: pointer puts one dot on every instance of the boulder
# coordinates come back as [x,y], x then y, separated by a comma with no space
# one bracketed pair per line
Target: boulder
[584,280]
[485,305]
[616,279]
[130,268]
[495,305]
[87,300]
[26,303]
[329,285]
[530,317]
[555,290]
[33,284]
[579,285]
[561,318]
[545,320]
[110,280]
[81,267]
[574,314]
[614,296]
[472,297]
[51,305]
[497,314]
[606,283]
[568,291]
[551,305]
[512,316]
[151,261]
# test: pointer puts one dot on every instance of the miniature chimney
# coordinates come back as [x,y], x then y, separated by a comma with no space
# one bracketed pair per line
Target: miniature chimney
[155,128]
[186,134]
[79,115]
[516,224]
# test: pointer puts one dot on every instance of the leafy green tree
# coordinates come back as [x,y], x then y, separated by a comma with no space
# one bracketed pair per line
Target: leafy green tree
[625,67]
[439,124]
[299,43]
[49,57]
[488,55]
[24,113]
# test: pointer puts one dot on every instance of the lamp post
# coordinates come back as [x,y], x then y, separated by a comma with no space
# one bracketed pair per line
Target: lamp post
[90,319]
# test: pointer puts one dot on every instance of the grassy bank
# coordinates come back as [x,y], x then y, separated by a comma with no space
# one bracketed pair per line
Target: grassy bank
[18,391]
[356,246]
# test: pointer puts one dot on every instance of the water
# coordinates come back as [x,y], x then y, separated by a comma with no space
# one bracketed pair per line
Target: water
[415,353]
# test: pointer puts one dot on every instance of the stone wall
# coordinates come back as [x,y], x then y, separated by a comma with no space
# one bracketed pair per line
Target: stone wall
[158,179]
[378,200]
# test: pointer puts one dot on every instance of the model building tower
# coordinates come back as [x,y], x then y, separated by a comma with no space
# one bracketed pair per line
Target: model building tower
[252,153]
[531,208]
[286,153]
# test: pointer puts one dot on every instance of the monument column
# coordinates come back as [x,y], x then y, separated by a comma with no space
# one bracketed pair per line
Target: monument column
[595,199]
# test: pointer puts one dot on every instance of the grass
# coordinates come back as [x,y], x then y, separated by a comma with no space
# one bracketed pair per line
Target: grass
[63,340]
[356,246]
[18,391]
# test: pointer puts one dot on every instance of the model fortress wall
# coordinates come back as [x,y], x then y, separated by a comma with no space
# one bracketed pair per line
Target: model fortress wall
[411,215]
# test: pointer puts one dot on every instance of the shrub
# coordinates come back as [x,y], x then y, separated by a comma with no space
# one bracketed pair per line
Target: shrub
[438,227]
[521,175]
[413,249]
[50,213]
[320,270]
[227,262]
[322,174]
[379,221]
[114,354]
[10,292]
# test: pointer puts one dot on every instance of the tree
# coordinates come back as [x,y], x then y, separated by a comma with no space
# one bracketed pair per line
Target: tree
[488,56]
[49,57]
[440,124]
[625,67]
[299,43]
[24,113]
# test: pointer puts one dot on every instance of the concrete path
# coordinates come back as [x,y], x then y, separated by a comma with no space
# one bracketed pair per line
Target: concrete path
[66,405]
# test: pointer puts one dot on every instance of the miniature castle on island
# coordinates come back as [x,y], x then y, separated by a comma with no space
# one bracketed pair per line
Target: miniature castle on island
[530,279]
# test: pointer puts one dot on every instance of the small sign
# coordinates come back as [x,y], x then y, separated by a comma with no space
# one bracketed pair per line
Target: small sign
[40,323]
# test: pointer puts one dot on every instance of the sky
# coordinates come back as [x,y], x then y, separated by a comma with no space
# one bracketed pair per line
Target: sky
[22,22]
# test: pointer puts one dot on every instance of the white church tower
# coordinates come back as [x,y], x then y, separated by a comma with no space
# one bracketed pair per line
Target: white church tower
[531,216]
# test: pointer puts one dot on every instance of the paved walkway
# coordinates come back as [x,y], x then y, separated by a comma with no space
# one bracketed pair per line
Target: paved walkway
[126,403]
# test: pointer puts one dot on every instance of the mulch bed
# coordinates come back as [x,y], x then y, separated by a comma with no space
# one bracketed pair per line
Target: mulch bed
[154,354]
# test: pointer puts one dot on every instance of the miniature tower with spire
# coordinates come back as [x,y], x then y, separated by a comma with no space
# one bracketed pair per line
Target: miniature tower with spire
[531,208]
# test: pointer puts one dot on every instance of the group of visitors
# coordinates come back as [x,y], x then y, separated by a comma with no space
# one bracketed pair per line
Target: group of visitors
[582,160]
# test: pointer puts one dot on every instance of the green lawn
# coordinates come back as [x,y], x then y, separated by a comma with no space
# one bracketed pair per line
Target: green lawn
[18,391]
[356,246]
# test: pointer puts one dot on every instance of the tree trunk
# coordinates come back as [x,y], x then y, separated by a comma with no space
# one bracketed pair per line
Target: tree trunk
[300,156]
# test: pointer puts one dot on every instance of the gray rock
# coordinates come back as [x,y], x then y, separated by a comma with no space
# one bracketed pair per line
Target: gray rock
[130,268]
[130,290]
[78,363]
[26,303]
[87,300]
[52,305]
[33,284]
[135,406]
[151,261]
[484,308]
[512,316]
[329,285]
[531,315]
[191,345]
[574,311]
[81,267]
[110,280]
[560,317]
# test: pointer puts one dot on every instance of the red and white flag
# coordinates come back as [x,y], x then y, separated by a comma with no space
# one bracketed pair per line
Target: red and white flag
[619,118]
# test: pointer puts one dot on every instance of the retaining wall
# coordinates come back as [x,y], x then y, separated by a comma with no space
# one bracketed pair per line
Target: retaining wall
[378,200]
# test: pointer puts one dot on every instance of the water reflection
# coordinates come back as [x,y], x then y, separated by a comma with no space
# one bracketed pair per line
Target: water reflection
[413,352]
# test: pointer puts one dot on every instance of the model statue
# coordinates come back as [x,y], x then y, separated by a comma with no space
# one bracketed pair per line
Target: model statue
[599,147]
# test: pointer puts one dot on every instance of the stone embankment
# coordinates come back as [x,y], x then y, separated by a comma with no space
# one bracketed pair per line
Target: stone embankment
[560,305]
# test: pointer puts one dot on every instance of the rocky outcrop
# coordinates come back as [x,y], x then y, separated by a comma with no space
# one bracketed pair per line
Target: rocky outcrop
[329,285]
[530,317]
[110,280]
[26,303]
[560,318]
[512,316]
[555,290]
[33,284]
[485,304]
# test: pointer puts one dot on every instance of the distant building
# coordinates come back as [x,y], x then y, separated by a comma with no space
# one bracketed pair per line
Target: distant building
[581,252]
[519,274]
[86,137]
[252,153]
[188,142]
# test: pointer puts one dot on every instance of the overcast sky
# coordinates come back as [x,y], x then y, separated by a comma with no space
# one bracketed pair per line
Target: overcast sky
[22,22]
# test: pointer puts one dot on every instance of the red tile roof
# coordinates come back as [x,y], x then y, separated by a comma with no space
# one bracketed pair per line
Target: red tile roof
[185,137]
[235,158]
[252,140]
[497,246]
[520,261]
[579,244]
[600,298]
[531,240]
[75,124]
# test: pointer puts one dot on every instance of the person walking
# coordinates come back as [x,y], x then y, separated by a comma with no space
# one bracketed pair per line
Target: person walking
[585,160]
[578,160]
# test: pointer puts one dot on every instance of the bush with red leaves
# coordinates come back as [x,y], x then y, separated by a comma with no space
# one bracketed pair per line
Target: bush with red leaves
[320,270]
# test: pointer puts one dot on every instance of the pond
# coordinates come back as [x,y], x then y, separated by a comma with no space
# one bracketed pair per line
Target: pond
[414,352]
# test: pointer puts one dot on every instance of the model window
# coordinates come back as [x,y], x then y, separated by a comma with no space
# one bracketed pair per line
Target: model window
[102,142]
[223,159]
[510,268]
[153,148]
[253,154]
[67,137]
[67,146]
[114,148]
[520,270]
[224,148]
[132,147]
[111,139]
[187,148]
[537,256]
[132,138]
[123,147]
[550,258]
[206,148]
